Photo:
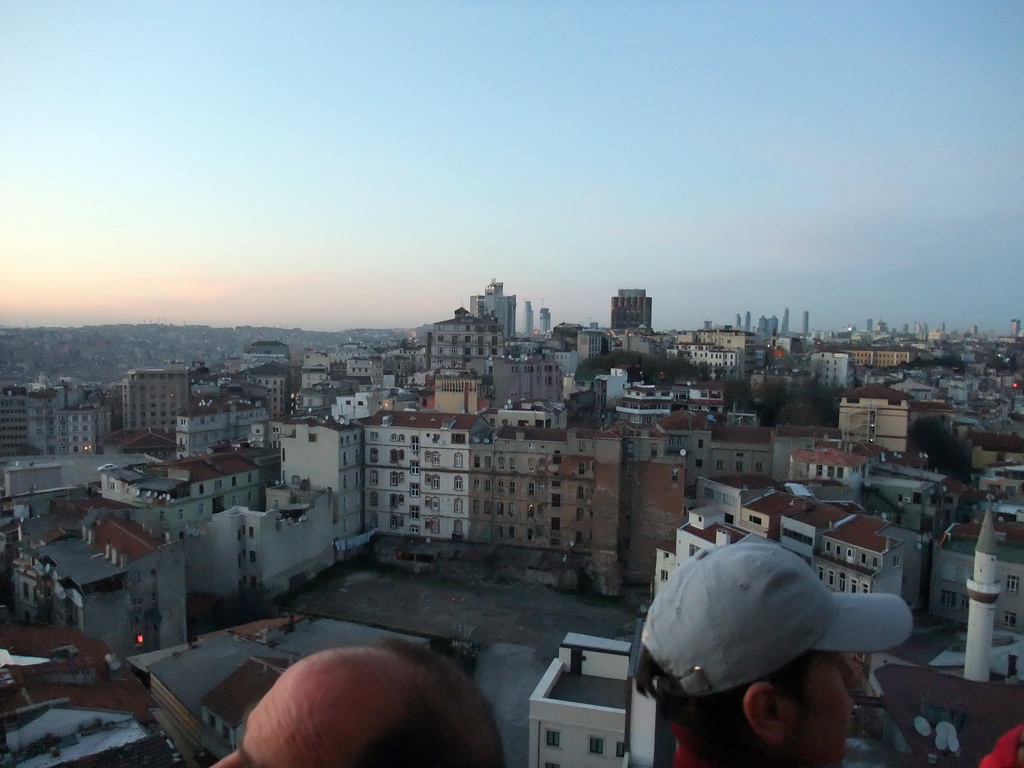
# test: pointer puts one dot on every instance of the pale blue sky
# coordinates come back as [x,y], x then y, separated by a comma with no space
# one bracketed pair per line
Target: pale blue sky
[332,164]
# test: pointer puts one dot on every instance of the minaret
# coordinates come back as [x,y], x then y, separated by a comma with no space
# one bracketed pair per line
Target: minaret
[983,590]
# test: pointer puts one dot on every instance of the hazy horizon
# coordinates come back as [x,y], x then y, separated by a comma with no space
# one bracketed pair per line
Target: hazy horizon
[331,166]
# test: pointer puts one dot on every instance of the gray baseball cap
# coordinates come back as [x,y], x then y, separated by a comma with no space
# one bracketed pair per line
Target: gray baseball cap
[734,614]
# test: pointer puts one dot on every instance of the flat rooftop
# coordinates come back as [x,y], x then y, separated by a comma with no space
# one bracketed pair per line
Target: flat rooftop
[595,691]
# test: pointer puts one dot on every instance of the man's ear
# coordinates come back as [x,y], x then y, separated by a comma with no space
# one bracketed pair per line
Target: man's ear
[769,713]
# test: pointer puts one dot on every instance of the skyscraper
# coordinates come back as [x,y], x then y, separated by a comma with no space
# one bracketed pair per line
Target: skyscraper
[631,309]
[528,318]
[494,303]
[807,323]
[746,324]
[785,322]
[1015,327]
[545,320]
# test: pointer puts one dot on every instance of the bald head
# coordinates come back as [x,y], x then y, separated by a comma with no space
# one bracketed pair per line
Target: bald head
[385,705]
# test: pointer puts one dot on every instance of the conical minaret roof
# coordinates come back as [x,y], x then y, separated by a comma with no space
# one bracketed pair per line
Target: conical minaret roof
[987,537]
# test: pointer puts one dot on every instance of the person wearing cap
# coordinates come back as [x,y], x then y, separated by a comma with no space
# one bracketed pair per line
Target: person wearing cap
[747,654]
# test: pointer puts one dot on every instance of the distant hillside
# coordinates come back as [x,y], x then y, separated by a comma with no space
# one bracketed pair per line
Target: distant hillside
[102,353]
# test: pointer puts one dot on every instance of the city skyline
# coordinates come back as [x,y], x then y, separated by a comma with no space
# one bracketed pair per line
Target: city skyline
[304,166]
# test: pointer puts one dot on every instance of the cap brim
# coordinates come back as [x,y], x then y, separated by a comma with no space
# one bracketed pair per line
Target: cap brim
[866,623]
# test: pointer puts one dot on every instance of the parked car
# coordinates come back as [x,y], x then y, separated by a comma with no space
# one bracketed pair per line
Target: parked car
[105,467]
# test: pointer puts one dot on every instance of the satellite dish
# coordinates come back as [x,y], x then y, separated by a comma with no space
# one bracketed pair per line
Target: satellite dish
[954,742]
[922,726]
[945,736]
[682,451]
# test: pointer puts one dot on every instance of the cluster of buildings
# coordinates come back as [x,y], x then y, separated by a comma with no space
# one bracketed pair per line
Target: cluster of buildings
[225,486]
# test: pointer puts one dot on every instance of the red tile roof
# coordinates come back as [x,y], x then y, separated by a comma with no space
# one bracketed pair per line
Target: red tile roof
[684,420]
[861,531]
[997,441]
[126,537]
[118,690]
[723,433]
[423,419]
[829,457]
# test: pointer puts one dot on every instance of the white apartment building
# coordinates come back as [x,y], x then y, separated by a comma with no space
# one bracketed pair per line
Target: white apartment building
[643,404]
[726,361]
[578,709]
[326,456]
[706,527]
[244,550]
[417,471]
[857,556]
[832,369]
[825,463]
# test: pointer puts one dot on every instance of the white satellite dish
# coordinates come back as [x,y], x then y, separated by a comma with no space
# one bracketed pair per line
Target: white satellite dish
[954,742]
[682,451]
[941,740]
[922,726]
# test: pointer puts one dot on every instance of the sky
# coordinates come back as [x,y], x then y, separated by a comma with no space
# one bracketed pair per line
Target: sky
[328,165]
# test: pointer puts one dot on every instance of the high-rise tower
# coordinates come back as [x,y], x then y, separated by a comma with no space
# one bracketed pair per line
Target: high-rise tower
[631,309]
[983,590]
[785,322]
[528,318]
[494,303]
[807,323]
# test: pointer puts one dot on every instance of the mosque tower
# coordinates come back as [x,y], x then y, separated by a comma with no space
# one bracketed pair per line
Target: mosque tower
[983,590]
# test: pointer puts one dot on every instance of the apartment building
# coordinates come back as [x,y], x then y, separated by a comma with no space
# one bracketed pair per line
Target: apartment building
[465,341]
[552,489]
[876,415]
[117,583]
[275,379]
[827,463]
[326,455]
[417,471]
[154,397]
[859,555]
[578,708]
[261,553]
[882,357]
[528,414]
[724,340]
[175,496]
[705,527]
[988,448]
[532,378]
[832,369]
[211,421]
[13,421]
[65,419]
[699,396]
[643,404]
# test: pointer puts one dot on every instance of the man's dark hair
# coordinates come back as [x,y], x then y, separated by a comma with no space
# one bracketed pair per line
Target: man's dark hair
[716,722]
[447,722]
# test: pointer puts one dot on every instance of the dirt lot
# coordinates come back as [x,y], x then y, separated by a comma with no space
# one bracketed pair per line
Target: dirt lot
[533,616]
[520,628]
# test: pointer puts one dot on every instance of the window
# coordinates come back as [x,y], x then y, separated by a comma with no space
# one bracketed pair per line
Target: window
[1012,585]
[947,598]
[373,454]
[596,745]
[1009,620]
[414,489]
[553,738]
[719,465]
[620,749]
[458,459]
[374,477]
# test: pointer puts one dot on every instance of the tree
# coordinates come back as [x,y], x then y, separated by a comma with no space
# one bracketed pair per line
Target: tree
[946,453]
